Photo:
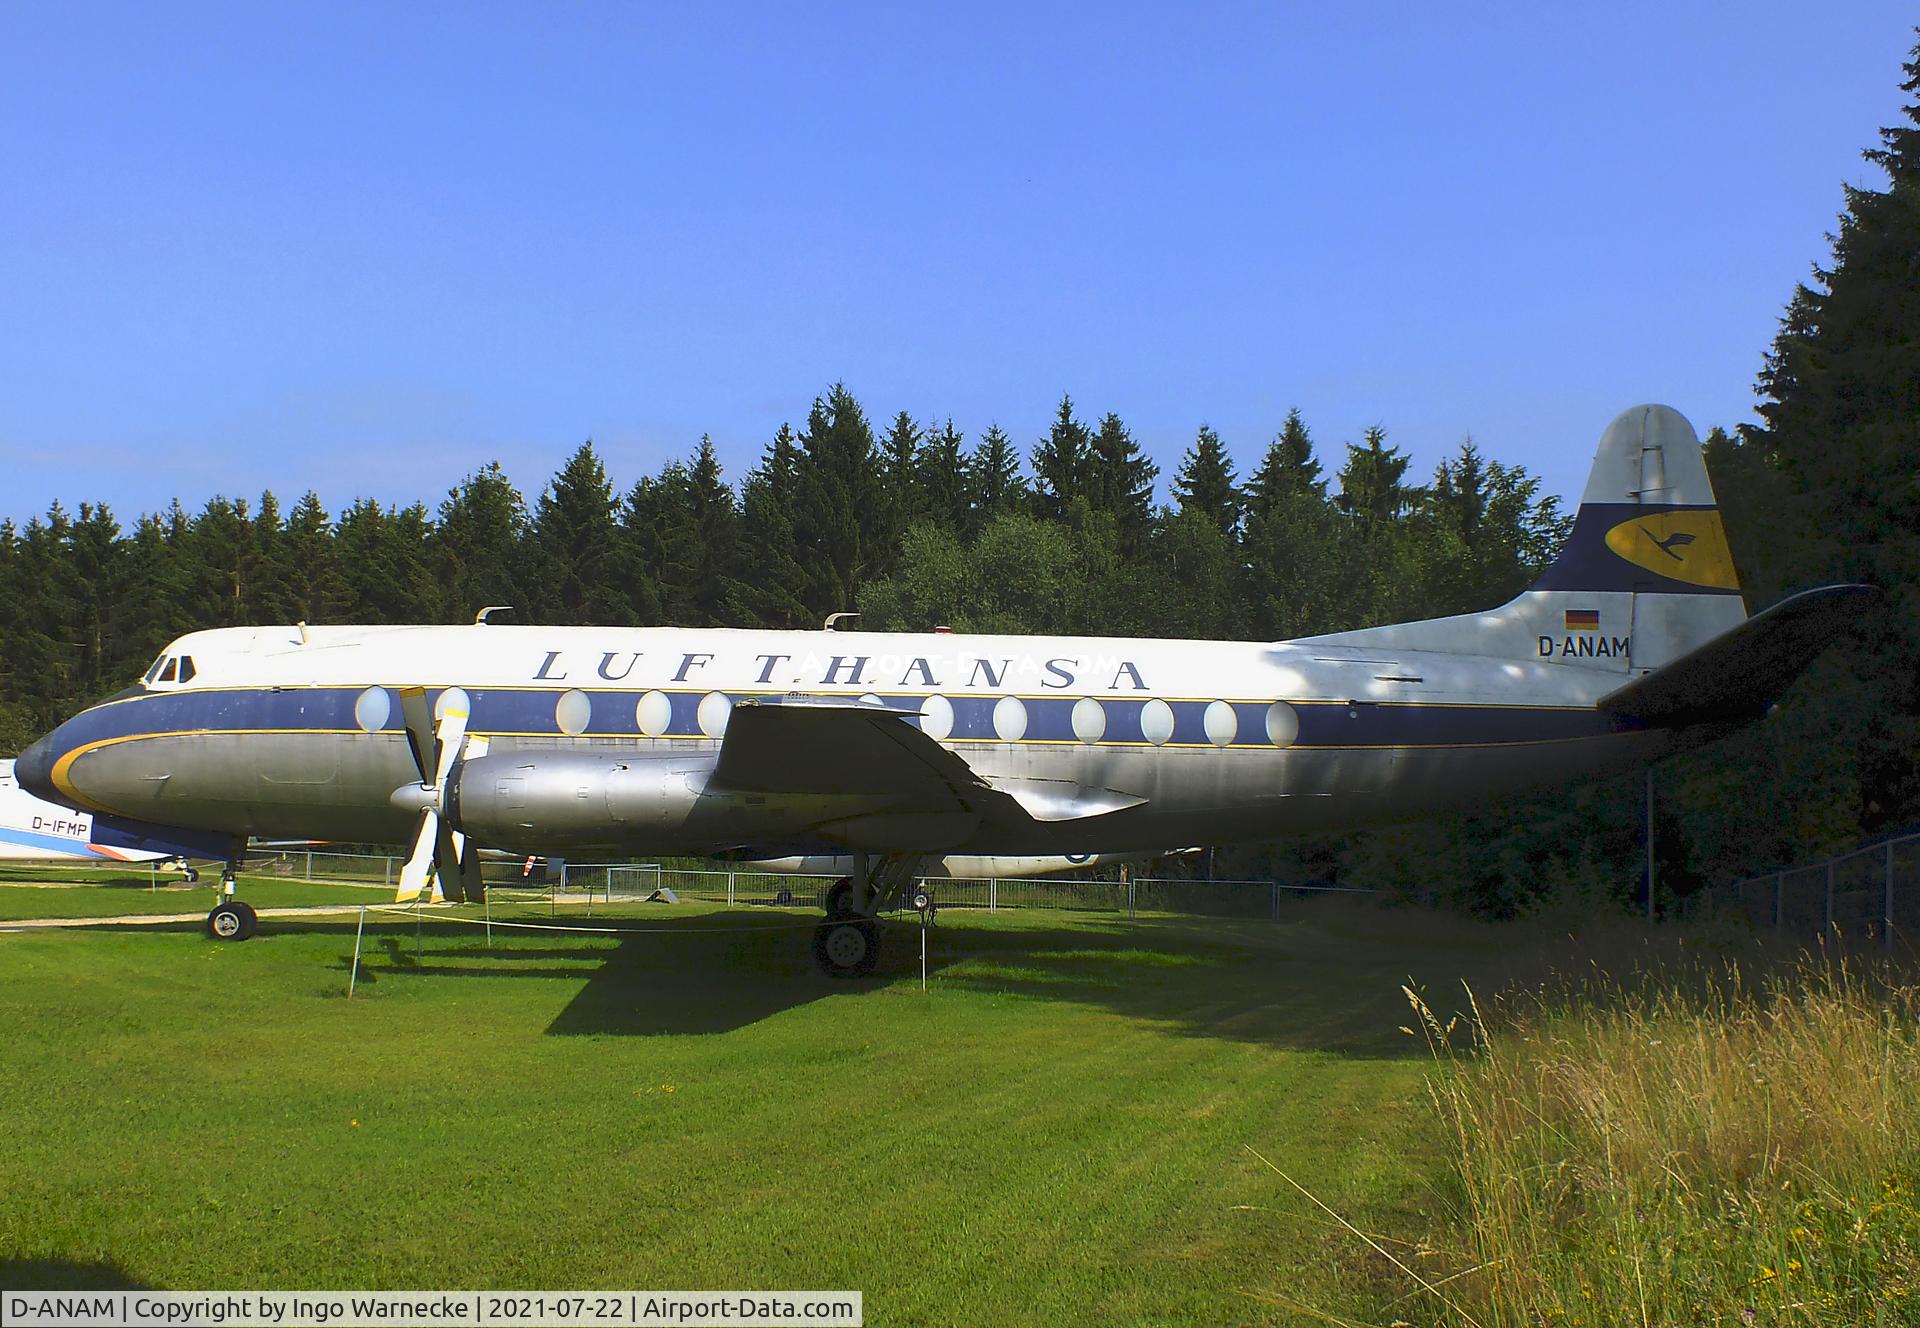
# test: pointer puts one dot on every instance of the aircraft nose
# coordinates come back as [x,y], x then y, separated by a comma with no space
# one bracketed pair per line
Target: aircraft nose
[34,769]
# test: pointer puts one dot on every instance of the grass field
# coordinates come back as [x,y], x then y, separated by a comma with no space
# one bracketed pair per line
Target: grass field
[36,891]
[1057,1132]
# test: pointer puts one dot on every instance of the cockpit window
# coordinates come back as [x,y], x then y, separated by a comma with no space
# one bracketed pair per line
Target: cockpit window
[153,673]
[171,671]
[186,668]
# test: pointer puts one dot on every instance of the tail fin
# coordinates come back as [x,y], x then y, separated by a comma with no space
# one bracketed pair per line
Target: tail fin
[1646,575]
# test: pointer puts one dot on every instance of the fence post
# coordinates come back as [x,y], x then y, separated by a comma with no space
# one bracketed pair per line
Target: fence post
[1886,904]
[1827,926]
[729,889]
[1273,901]
[1779,901]
[389,869]
[993,894]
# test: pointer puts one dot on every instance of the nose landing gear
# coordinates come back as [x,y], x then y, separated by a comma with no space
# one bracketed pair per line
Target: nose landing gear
[232,919]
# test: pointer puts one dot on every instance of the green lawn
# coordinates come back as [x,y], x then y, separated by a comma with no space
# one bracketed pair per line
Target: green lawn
[1056,1132]
[37,892]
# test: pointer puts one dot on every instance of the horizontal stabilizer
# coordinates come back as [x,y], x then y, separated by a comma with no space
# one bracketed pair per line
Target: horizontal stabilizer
[1739,674]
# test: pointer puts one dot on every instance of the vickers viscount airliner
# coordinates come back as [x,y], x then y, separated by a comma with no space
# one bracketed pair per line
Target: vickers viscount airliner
[890,751]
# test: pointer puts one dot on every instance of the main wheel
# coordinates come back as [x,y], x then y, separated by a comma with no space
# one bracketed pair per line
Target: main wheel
[846,949]
[251,920]
[840,898]
[229,923]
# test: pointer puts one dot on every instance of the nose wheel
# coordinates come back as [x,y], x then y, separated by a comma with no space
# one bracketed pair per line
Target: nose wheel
[231,919]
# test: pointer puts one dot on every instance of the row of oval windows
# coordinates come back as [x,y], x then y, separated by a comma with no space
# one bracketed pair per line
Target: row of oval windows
[573,712]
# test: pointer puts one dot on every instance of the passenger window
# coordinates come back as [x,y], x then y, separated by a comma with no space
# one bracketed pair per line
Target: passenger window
[186,668]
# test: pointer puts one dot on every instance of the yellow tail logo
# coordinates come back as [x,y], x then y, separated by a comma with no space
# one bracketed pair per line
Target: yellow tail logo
[1681,546]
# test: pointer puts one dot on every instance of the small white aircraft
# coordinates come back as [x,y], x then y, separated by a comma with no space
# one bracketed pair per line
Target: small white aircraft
[35,830]
[892,751]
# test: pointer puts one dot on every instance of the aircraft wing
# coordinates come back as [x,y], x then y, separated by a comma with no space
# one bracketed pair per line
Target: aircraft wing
[839,749]
[851,748]
[1740,673]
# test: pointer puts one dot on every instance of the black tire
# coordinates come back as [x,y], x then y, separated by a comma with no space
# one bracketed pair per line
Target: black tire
[228,923]
[846,949]
[840,898]
[249,918]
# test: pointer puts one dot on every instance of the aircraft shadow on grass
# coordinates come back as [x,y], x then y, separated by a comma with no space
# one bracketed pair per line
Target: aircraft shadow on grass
[1273,984]
[1280,984]
[51,1274]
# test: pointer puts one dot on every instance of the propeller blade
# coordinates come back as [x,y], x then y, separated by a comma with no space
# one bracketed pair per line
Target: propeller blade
[452,733]
[446,863]
[470,883]
[413,876]
[419,720]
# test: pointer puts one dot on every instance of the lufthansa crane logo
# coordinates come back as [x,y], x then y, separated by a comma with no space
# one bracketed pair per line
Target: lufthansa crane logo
[1680,538]
[1678,545]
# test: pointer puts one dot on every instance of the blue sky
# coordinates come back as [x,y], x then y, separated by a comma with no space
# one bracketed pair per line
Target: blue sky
[366,249]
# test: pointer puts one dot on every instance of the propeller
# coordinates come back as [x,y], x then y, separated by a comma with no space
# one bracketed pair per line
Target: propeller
[438,849]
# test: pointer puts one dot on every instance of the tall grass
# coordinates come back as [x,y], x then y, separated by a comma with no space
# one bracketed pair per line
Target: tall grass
[1697,1147]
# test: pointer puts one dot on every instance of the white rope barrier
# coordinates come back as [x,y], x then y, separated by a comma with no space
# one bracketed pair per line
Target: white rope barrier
[682,930]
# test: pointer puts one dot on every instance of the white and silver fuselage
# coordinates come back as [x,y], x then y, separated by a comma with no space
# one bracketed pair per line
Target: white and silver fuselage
[294,732]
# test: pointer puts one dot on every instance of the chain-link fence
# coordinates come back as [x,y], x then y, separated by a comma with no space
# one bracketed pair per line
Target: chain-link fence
[326,865]
[586,884]
[1872,892]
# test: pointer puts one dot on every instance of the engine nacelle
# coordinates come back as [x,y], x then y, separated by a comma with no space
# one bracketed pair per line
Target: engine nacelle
[555,798]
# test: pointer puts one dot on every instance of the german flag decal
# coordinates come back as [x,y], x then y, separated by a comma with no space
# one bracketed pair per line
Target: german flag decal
[1583,620]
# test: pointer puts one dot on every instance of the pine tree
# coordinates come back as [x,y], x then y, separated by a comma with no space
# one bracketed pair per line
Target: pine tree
[1288,470]
[686,528]
[479,545]
[314,593]
[1841,409]
[994,481]
[384,573]
[1372,483]
[1291,545]
[837,504]
[1062,463]
[1120,480]
[585,568]
[1205,483]
[941,476]
[767,592]
[267,597]
[900,489]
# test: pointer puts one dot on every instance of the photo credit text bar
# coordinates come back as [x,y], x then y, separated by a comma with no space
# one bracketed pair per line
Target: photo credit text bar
[430,1309]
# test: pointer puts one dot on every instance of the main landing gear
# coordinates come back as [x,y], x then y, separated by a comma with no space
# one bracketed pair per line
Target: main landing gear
[847,944]
[232,919]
